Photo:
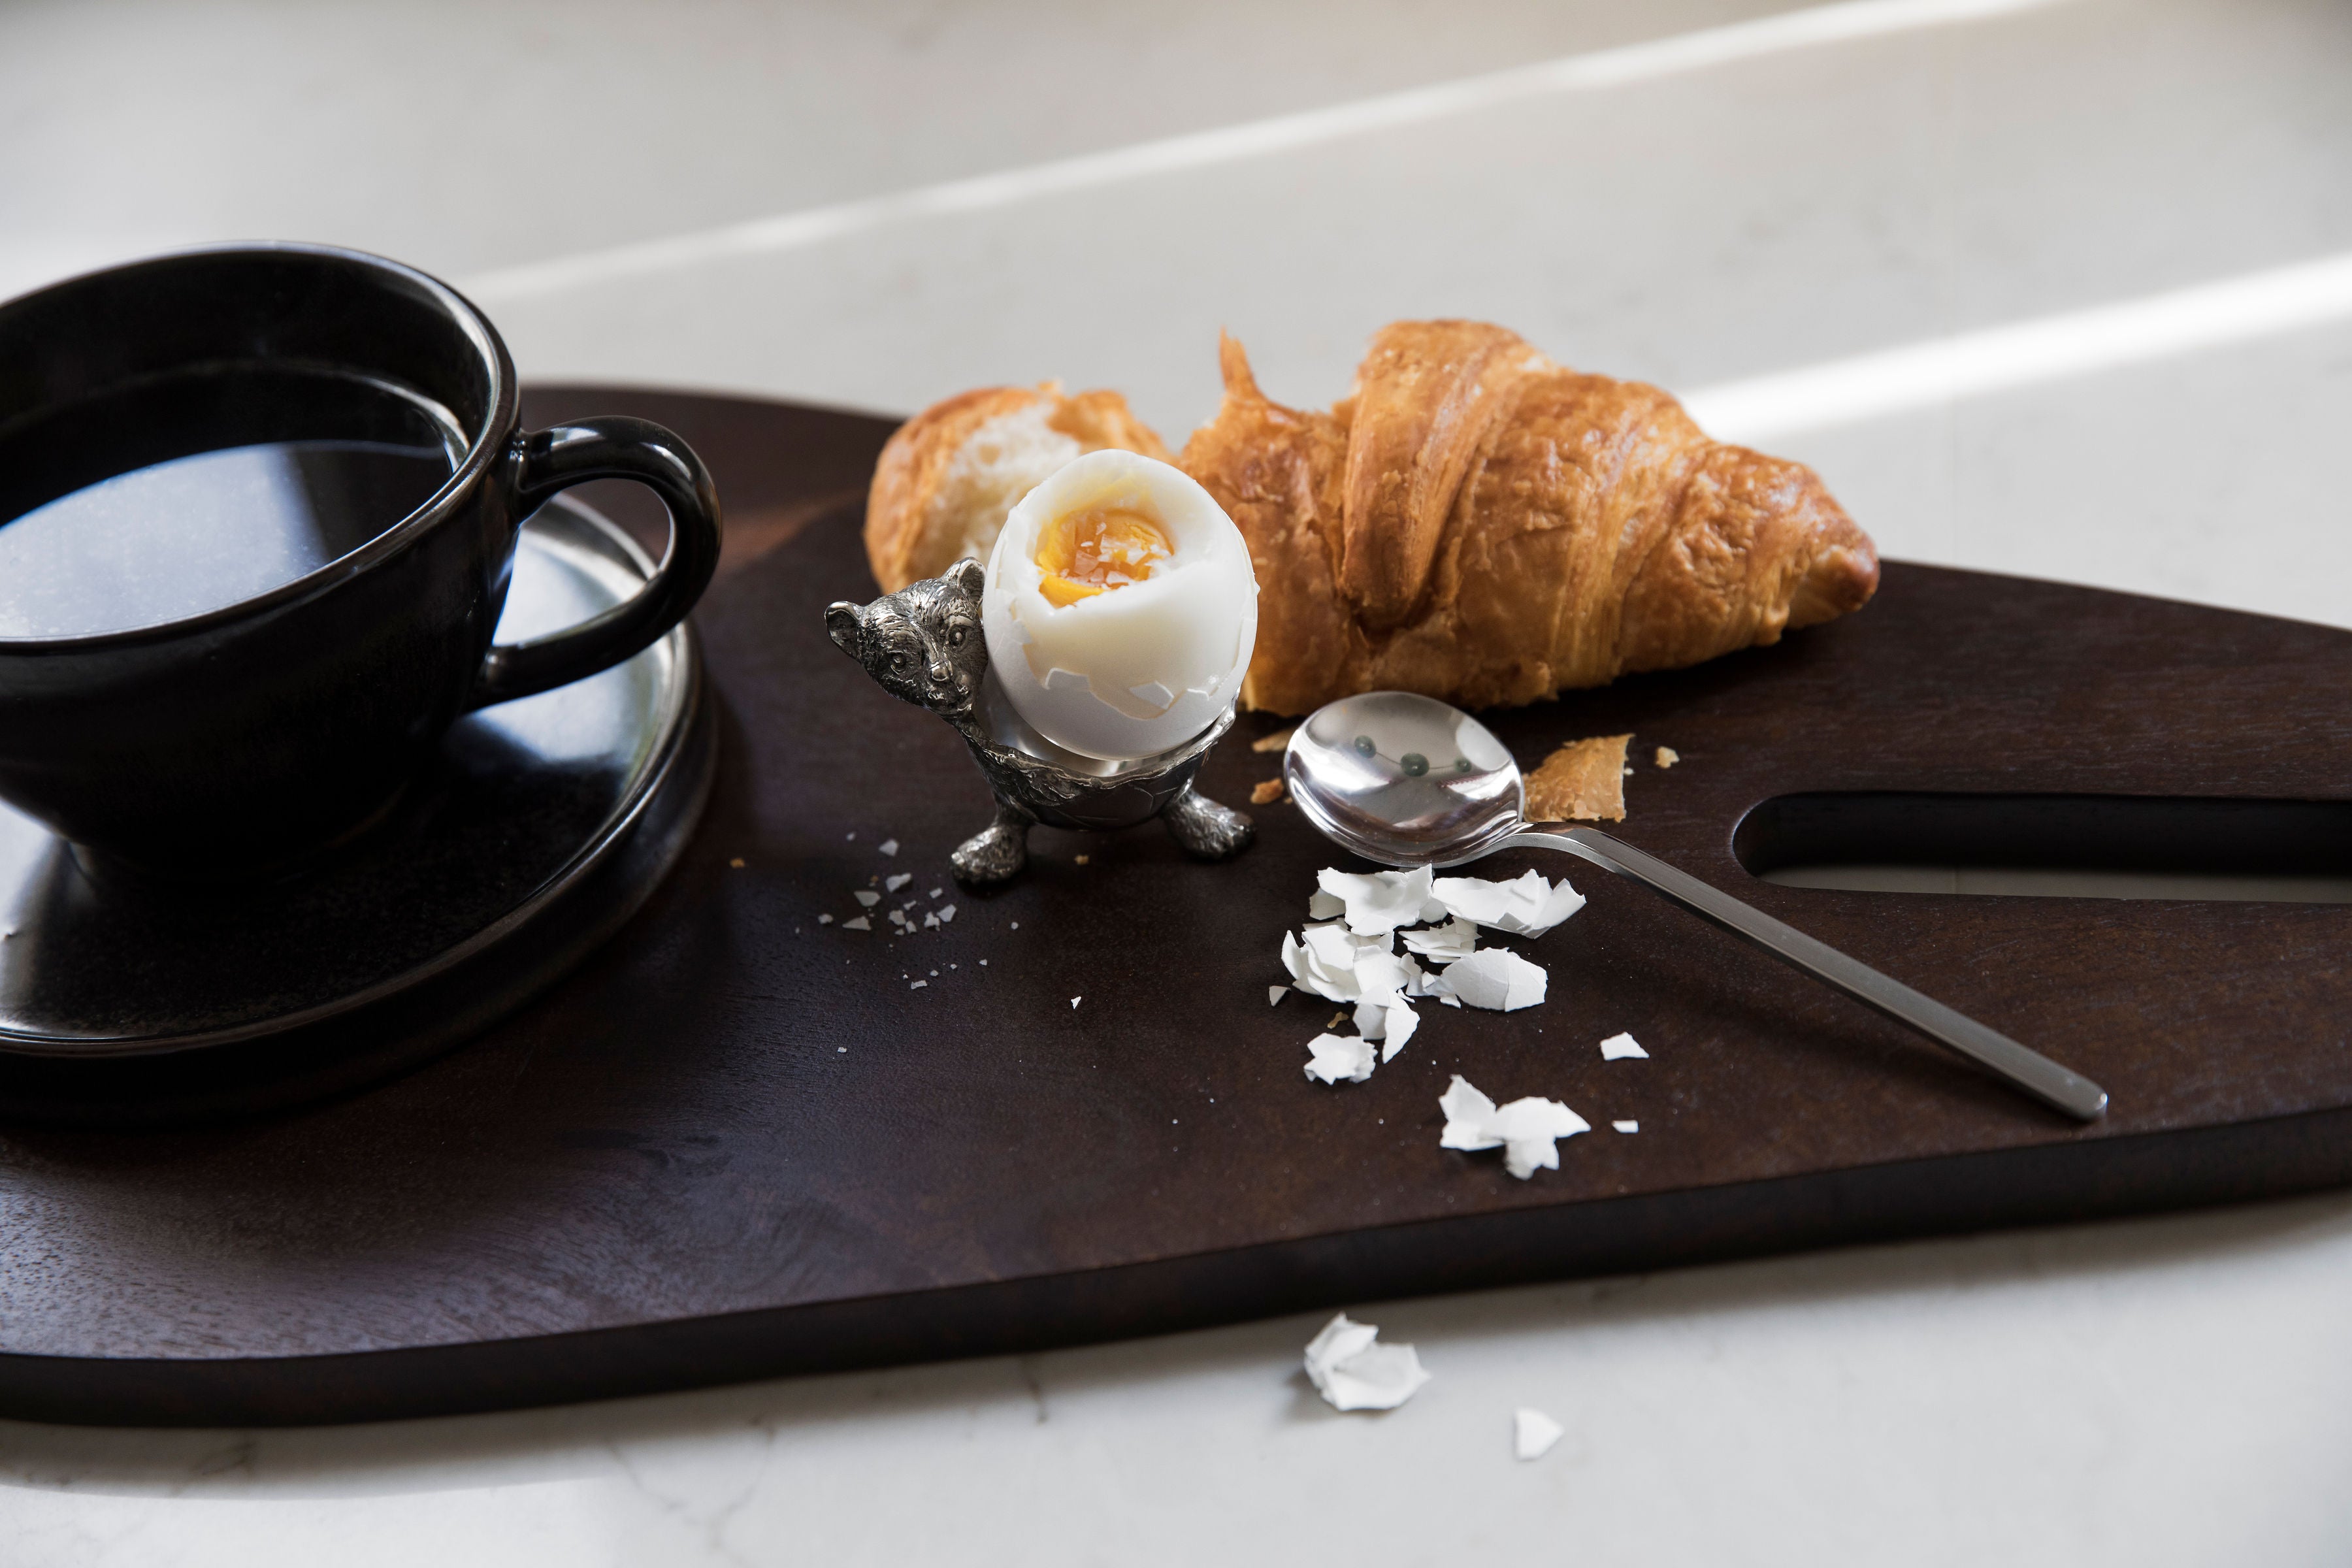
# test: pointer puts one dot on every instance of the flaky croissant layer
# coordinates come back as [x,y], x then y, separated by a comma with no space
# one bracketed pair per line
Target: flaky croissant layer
[1473,522]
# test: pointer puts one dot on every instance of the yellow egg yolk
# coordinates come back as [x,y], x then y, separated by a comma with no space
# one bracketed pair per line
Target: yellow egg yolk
[1084,553]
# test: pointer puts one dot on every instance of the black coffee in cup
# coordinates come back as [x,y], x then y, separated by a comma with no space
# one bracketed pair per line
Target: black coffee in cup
[258,508]
[241,483]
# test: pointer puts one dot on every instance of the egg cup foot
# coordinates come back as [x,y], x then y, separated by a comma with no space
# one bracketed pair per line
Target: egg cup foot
[1204,829]
[997,852]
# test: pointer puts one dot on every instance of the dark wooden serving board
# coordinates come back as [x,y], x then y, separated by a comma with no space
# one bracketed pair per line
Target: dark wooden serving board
[736,1143]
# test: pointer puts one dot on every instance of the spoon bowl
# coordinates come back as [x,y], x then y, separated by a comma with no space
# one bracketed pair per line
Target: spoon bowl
[1404,780]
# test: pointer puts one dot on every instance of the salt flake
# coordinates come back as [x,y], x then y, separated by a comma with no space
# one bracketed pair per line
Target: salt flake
[1496,979]
[1274,994]
[1322,906]
[867,897]
[889,846]
[1526,1129]
[1626,1126]
[947,914]
[1533,1433]
[1336,1057]
[825,919]
[860,924]
[1073,1003]
[1353,1370]
[1621,1047]
[892,884]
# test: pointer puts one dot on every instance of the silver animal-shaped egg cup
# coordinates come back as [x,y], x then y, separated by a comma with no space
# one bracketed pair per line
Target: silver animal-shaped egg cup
[923,644]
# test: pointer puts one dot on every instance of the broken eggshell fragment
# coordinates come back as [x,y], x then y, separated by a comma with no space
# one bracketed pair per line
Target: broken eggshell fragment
[1353,1370]
[1527,1130]
[1494,978]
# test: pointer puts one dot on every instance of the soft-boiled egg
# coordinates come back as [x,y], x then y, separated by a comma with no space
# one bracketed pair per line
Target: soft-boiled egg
[1120,608]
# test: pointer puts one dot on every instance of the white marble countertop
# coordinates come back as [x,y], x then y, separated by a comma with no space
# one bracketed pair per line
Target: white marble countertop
[2061,289]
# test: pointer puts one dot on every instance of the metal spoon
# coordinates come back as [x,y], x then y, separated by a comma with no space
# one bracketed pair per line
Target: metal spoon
[1411,781]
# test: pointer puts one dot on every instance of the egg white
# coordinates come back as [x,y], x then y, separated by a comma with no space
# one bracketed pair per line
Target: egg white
[1136,671]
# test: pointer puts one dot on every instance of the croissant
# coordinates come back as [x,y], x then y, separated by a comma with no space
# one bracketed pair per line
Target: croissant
[1473,522]
[1478,524]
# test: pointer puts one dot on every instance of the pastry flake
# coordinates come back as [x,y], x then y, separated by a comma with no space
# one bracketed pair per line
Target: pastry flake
[1584,780]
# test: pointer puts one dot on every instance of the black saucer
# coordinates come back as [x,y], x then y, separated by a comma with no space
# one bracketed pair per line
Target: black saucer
[542,825]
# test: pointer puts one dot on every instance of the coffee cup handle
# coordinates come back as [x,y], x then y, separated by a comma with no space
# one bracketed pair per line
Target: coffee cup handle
[612,447]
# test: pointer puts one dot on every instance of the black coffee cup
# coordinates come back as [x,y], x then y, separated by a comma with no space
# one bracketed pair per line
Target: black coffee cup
[248,736]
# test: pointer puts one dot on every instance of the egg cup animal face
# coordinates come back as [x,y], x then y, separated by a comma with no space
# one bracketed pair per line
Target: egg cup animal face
[924,645]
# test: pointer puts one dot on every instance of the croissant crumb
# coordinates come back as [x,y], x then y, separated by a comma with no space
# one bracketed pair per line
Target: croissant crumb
[1584,780]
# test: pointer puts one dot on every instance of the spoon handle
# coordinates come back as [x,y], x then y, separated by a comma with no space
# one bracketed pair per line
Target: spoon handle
[2032,1071]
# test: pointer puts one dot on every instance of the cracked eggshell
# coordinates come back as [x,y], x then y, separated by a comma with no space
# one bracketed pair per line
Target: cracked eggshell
[1136,671]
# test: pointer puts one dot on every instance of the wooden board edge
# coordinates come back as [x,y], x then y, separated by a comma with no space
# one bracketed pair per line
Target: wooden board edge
[2040,1186]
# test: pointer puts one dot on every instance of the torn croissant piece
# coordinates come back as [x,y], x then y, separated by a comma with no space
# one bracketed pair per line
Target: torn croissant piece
[950,475]
[1480,525]
[1583,781]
